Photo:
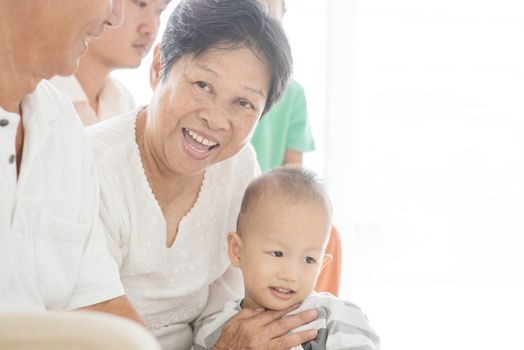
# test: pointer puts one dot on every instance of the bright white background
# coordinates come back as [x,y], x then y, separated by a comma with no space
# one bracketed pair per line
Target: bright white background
[418,113]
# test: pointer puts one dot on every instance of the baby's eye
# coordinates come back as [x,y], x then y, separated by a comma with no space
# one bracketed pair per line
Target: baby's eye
[245,104]
[309,260]
[203,85]
[276,254]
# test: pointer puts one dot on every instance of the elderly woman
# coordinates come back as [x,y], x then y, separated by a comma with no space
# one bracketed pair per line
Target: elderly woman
[172,174]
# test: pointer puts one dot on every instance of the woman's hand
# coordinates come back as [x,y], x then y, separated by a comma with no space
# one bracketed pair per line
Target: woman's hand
[258,329]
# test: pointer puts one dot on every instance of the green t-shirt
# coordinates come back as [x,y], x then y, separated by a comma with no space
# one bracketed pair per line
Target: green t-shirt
[284,126]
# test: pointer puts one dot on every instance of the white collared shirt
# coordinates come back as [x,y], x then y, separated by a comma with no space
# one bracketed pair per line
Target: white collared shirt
[53,254]
[114,99]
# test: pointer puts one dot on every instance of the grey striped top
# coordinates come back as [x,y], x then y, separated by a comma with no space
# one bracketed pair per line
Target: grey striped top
[340,324]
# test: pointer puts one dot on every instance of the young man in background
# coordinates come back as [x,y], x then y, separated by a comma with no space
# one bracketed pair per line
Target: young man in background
[96,95]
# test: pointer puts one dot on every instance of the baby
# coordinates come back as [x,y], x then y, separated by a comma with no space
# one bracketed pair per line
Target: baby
[282,232]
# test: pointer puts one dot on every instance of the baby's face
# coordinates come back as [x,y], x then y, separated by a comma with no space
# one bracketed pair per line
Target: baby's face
[282,252]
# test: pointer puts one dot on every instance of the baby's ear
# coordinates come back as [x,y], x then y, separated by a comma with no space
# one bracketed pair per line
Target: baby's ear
[327,259]
[234,248]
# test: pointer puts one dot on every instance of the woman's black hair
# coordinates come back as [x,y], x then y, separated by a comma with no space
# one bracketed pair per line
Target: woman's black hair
[197,25]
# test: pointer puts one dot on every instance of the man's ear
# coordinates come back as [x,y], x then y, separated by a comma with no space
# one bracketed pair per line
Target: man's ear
[234,248]
[156,66]
[327,259]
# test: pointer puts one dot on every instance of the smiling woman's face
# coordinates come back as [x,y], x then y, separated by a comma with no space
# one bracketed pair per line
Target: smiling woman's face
[206,109]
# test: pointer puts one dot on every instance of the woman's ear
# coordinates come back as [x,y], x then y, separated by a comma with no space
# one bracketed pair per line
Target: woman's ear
[327,259]
[234,248]
[156,66]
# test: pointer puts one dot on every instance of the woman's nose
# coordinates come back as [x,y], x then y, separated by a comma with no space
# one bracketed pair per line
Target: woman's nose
[217,117]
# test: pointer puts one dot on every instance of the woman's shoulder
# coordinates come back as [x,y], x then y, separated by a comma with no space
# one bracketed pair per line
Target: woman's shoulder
[242,165]
[245,159]
[112,137]
[225,182]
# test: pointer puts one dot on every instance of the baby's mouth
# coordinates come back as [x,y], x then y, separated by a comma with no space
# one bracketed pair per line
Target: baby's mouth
[282,293]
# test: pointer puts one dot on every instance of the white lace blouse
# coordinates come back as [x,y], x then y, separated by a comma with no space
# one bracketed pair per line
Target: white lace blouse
[169,287]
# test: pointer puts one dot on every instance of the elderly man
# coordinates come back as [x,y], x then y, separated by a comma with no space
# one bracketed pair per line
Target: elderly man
[53,255]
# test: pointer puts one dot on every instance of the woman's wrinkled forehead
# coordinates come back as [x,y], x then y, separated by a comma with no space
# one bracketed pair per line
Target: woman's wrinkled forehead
[215,53]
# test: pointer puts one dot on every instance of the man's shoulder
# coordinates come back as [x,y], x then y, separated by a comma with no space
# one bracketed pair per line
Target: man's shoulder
[117,85]
[47,105]
[113,91]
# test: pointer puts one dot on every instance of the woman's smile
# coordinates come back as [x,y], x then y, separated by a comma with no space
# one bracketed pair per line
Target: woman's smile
[197,145]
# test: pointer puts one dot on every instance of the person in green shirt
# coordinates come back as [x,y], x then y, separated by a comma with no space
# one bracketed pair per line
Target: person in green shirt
[283,133]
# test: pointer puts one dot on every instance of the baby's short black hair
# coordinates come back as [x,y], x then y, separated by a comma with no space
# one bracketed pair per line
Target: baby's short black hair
[288,183]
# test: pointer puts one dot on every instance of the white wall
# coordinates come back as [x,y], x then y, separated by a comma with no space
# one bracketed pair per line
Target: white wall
[426,166]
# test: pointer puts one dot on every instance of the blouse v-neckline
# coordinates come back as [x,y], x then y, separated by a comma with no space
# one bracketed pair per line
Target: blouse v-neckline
[149,192]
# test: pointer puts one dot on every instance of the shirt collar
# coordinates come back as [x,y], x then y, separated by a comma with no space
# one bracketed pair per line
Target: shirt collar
[44,105]
[71,87]
[9,115]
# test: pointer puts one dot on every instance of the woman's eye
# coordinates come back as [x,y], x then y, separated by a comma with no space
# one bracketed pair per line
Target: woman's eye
[276,254]
[140,3]
[309,260]
[203,86]
[246,104]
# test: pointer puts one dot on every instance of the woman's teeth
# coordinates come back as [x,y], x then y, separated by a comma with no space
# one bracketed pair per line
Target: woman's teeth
[201,139]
